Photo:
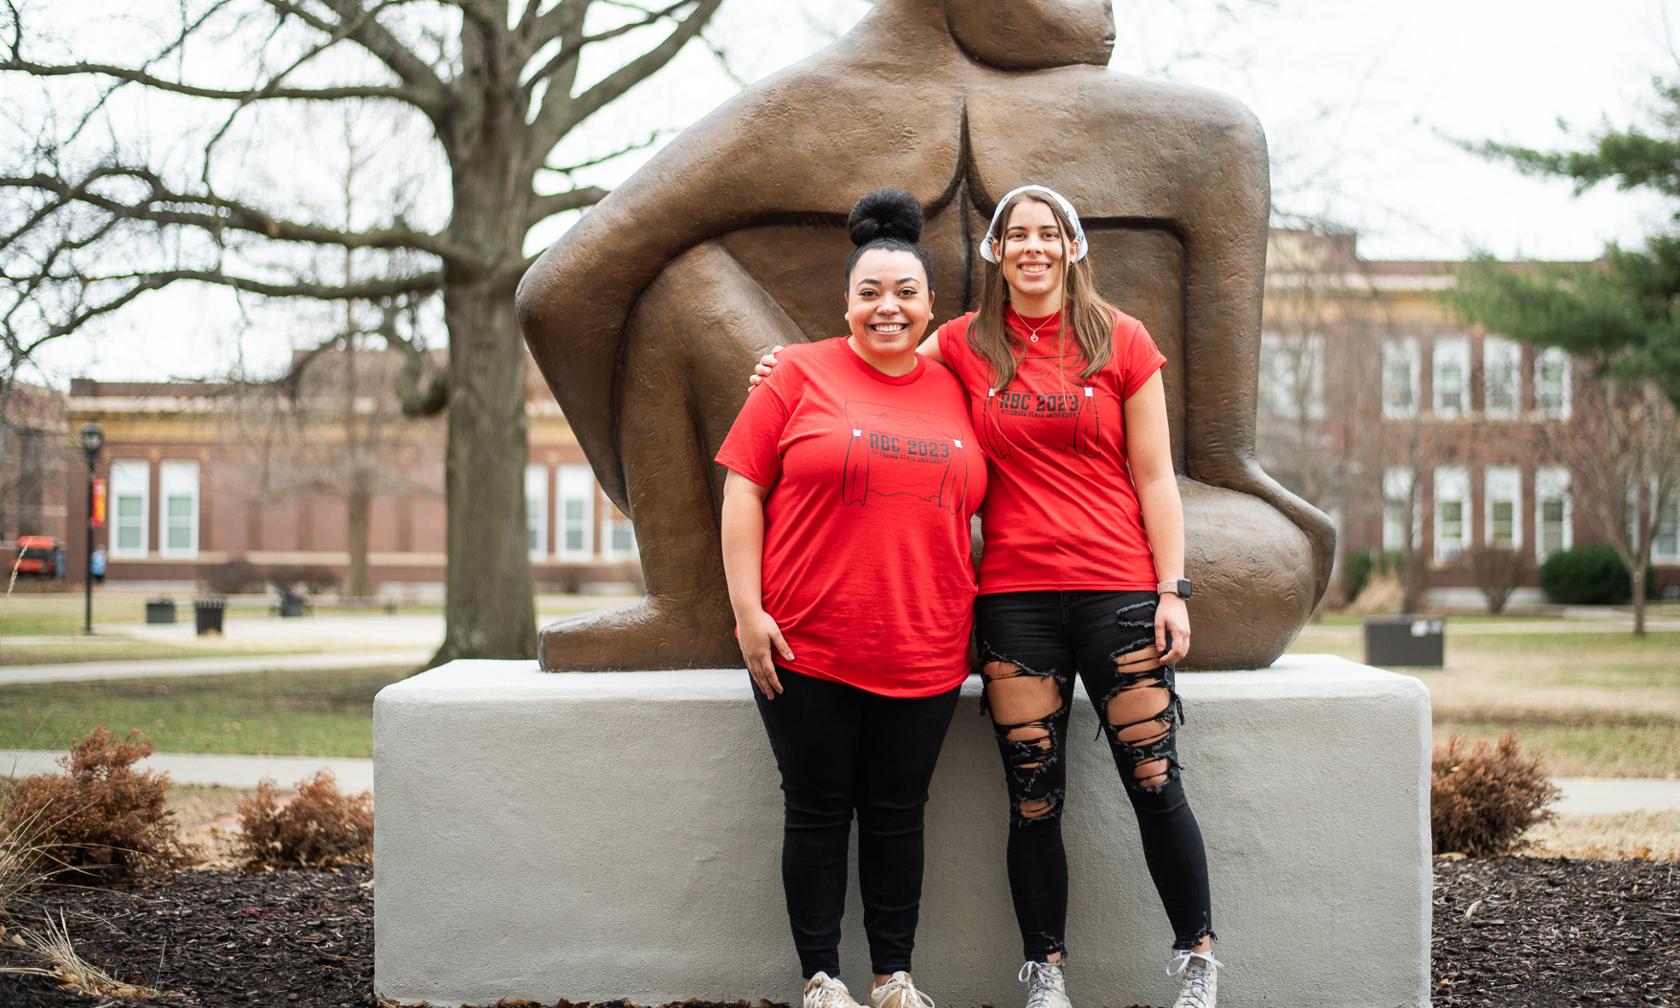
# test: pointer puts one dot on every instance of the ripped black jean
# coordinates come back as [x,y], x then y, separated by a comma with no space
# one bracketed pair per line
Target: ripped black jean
[1031,644]
[841,749]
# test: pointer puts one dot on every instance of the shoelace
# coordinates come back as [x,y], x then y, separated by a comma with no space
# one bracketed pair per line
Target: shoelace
[831,993]
[907,992]
[1196,967]
[1042,979]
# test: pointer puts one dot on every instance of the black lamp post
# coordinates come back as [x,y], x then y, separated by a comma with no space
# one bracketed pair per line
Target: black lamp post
[93,439]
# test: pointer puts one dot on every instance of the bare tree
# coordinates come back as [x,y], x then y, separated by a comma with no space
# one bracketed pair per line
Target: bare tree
[90,227]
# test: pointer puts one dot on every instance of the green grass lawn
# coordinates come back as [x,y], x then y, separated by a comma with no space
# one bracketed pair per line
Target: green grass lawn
[263,713]
[1595,704]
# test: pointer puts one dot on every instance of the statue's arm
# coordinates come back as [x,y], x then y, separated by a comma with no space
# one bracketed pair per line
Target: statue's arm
[1225,244]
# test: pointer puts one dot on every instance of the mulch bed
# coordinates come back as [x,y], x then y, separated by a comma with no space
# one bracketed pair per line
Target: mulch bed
[1508,932]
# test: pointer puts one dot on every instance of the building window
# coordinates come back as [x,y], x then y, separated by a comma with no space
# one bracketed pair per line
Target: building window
[1551,510]
[618,536]
[178,485]
[131,488]
[576,497]
[1399,506]
[1551,383]
[1292,375]
[1665,545]
[1451,360]
[1501,377]
[1452,504]
[1400,376]
[536,510]
[1502,487]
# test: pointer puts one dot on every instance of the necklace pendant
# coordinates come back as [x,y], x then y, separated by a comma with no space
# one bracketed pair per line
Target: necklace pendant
[1034,337]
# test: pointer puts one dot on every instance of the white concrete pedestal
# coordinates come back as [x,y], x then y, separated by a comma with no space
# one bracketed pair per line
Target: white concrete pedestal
[595,836]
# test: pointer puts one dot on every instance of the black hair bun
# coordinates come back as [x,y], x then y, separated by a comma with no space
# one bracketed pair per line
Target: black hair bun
[886,213]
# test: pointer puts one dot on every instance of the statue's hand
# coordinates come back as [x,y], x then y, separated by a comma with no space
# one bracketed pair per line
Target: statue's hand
[762,369]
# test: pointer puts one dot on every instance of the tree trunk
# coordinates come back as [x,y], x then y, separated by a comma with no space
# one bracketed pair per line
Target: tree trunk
[359,504]
[1639,572]
[489,607]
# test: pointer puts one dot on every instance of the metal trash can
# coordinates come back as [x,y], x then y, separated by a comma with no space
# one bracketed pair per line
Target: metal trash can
[160,610]
[1418,641]
[207,615]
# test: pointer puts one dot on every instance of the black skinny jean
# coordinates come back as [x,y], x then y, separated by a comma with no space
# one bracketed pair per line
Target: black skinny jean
[840,748]
[1108,639]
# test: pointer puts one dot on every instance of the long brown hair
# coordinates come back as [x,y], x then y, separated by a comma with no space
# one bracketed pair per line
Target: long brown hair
[1092,318]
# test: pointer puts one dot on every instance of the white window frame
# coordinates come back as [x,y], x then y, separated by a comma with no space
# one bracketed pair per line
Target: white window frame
[1398,495]
[1501,359]
[613,521]
[1395,352]
[1283,362]
[1452,484]
[1454,351]
[1549,357]
[178,478]
[1551,483]
[574,484]
[536,510]
[1502,484]
[129,478]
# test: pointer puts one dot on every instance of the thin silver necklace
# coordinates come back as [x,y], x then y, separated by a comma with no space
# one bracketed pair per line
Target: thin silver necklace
[1032,331]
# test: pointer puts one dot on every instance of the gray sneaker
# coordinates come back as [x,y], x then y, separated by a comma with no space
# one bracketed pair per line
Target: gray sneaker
[1046,987]
[899,992]
[1201,978]
[824,991]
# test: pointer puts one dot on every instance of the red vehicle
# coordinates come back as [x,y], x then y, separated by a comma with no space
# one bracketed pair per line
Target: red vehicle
[40,556]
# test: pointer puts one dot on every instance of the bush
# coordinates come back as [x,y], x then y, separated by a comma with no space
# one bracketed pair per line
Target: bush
[303,580]
[105,818]
[1591,575]
[1497,571]
[322,826]
[1359,565]
[234,577]
[1483,795]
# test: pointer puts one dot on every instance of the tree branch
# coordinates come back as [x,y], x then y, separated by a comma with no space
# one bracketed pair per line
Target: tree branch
[570,51]
[558,118]
[573,199]
[360,25]
[133,76]
[225,214]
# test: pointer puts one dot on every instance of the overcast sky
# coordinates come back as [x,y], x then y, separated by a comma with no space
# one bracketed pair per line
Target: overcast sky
[1361,102]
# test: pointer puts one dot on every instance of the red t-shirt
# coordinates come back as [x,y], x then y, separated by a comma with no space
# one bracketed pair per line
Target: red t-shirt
[1062,512]
[873,481]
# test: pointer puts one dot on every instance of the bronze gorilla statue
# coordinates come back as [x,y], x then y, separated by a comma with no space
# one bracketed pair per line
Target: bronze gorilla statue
[646,318]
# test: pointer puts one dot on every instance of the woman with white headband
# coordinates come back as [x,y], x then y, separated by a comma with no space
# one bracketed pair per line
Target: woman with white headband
[1082,571]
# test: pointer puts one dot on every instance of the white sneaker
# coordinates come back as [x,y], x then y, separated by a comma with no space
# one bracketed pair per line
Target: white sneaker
[899,992]
[1201,978]
[824,991]
[1046,988]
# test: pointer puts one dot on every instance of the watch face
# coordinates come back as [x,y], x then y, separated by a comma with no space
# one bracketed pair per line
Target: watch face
[1183,588]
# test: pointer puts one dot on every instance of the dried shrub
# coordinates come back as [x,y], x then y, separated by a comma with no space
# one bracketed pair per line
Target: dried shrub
[1380,594]
[319,827]
[103,819]
[1498,571]
[1483,795]
[234,577]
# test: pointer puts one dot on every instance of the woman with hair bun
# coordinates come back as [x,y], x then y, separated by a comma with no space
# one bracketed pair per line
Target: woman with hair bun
[853,473]
[1082,572]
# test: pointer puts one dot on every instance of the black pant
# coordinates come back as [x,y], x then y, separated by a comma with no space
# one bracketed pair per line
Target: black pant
[841,748]
[1050,635]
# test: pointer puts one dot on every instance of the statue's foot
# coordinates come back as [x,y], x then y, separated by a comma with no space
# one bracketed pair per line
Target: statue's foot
[655,633]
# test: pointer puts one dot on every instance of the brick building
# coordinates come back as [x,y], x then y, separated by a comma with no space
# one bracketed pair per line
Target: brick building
[1385,410]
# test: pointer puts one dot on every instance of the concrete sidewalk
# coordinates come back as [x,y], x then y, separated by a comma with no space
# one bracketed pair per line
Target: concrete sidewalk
[227,771]
[157,667]
[1581,795]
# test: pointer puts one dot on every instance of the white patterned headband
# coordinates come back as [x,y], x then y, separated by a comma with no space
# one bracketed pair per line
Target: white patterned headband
[1078,237]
